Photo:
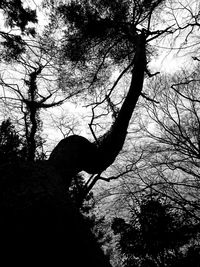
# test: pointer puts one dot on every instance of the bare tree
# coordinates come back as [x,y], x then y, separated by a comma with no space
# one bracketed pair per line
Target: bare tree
[31,85]
[171,139]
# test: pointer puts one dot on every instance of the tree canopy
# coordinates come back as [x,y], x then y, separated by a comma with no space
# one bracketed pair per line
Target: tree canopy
[71,77]
[16,16]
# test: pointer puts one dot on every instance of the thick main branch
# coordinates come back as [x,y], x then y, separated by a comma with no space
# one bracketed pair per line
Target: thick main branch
[75,153]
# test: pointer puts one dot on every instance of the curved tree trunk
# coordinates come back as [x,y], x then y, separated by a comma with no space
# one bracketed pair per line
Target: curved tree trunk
[75,153]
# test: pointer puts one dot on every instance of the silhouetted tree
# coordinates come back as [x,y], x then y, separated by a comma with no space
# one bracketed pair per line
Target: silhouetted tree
[99,38]
[157,235]
[11,144]
[16,16]
[171,139]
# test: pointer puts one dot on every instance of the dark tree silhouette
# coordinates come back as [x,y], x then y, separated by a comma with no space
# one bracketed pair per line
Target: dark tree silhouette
[16,16]
[11,145]
[112,31]
[157,235]
[35,207]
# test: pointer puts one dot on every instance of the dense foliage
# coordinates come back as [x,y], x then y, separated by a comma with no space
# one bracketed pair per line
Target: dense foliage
[104,32]
[158,235]
[16,16]
[11,145]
